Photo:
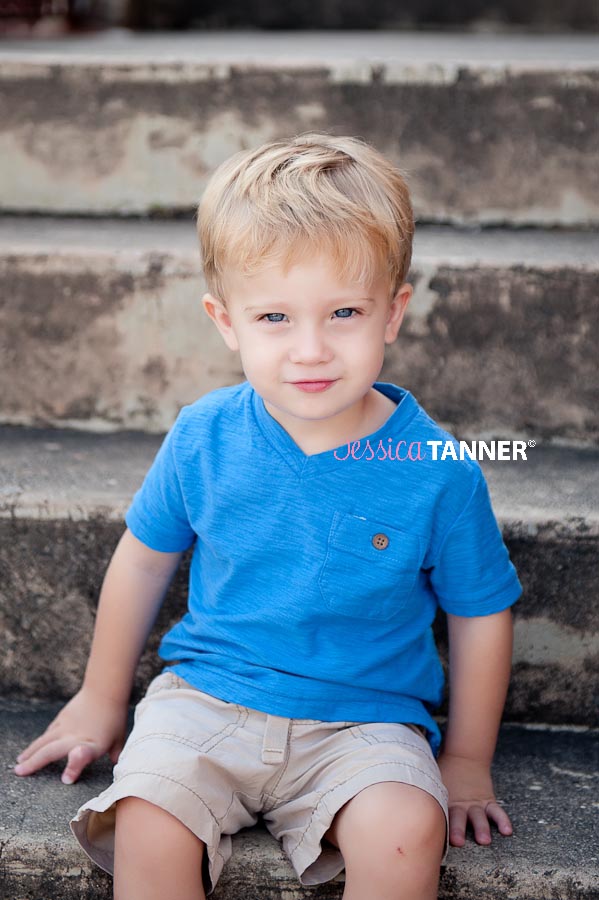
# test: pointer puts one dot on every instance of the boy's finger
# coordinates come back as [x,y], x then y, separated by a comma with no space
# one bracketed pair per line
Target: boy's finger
[35,745]
[79,757]
[46,754]
[498,815]
[457,826]
[480,825]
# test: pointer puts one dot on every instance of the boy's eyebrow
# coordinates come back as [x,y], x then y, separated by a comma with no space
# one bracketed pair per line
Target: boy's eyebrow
[343,302]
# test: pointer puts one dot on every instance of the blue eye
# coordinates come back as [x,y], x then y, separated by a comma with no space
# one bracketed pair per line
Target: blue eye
[274,317]
[345,313]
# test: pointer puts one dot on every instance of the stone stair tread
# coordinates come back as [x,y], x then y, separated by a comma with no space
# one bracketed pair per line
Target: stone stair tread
[129,342]
[532,247]
[547,777]
[61,473]
[434,48]
[163,109]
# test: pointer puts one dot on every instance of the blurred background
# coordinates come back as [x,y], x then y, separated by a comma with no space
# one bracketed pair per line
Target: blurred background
[50,16]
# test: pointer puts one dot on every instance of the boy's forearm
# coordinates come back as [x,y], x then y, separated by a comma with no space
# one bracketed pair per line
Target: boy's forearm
[480,653]
[131,595]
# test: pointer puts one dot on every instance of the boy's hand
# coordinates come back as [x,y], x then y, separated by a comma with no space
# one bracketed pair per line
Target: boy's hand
[471,799]
[85,729]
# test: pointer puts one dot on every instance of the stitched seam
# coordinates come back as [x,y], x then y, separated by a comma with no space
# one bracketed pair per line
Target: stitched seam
[372,739]
[237,794]
[225,732]
[281,773]
[287,761]
[177,739]
[181,785]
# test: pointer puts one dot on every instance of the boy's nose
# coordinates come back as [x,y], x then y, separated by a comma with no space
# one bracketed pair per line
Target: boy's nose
[309,347]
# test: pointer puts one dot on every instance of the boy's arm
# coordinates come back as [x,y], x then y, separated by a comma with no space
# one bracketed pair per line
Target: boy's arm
[480,653]
[94,721]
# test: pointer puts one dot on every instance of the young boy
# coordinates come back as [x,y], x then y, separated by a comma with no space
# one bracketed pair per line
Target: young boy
[301,681]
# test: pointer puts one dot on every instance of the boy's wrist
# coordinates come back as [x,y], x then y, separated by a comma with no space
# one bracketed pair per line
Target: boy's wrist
[469,754]
[103,693]
[469,758]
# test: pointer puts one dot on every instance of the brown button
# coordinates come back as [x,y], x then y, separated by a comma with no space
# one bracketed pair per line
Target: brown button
[380,541]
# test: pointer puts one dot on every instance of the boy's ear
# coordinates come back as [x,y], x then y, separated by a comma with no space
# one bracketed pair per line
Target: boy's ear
[217,311]
[396,312]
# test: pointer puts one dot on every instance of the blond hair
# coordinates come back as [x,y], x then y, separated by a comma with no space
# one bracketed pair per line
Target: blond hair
[288,199]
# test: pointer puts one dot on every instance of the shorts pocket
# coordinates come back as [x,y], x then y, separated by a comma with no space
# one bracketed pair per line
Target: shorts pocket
[370,568]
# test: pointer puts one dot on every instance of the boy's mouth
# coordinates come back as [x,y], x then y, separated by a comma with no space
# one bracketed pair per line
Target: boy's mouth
[313,387]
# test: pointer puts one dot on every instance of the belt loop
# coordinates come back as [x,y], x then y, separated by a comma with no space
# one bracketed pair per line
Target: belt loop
[274,745]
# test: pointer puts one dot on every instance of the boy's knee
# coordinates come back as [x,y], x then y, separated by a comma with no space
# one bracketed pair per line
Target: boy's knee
[153,852]
[134,810]
[424,831]
[392,822]
[143,823]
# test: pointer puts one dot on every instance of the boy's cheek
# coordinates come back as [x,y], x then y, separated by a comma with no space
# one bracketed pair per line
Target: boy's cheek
[230,338]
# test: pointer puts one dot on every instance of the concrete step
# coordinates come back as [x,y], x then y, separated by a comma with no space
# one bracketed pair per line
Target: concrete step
[547,778]
[63,494]
[491,128]
[102,327]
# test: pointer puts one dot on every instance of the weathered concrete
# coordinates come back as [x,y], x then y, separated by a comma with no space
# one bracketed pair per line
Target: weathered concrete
[129,124]
[63,494]
[101,327]
[548,780]
[106,340]
[481,354]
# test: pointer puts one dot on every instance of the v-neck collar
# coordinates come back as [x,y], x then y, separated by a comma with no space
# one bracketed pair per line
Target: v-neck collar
[317,463]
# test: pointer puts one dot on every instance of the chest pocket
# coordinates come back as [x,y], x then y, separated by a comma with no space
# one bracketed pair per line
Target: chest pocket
[370,569]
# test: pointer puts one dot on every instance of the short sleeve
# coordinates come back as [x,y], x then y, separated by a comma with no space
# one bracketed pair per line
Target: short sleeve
[473,574]
[157,515]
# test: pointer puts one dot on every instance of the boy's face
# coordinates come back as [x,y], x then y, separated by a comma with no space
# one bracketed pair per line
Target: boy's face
[311,345]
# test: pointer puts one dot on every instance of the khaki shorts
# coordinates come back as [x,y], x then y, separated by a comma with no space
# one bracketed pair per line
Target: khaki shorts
[216,766]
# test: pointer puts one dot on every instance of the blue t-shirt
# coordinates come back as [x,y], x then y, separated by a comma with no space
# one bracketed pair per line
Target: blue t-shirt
[315,580]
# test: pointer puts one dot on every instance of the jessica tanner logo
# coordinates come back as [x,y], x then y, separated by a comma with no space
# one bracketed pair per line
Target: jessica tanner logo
[413,451]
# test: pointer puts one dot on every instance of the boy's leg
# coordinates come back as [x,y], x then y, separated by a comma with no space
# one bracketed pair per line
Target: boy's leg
[392,838]
[156,856]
